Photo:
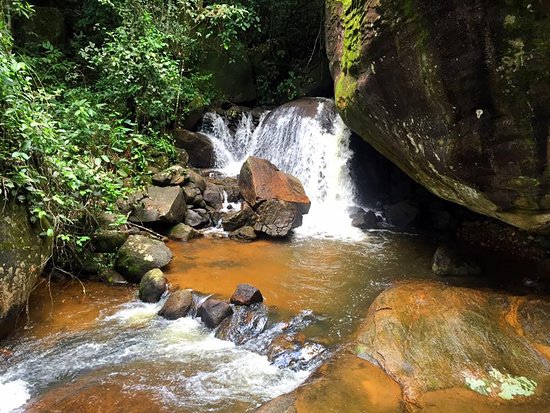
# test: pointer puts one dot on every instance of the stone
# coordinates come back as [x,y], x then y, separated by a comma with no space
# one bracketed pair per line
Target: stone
[212,312]
[246,294]
[197,179]
[246,323]
[429,336]
[178,305]
[232,221]
[191,192]
[277,218]
[112,277]
[213,195]
[173,176]
[197,218]
[183,156]
[23,255]
[260,180]
[468,119]
[161,205]
[245,234]
[140,254]
[198,146]
[401,215]
[109,240]
[364,219]
[152,286]
[451,261]
[183,233]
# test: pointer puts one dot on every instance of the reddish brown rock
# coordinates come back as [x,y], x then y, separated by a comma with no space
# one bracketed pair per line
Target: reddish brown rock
[178,305]
[246,294]
[260,180]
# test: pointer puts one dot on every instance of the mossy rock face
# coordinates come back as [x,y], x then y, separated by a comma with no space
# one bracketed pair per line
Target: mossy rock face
[23,254]
[456,94]
[429,336]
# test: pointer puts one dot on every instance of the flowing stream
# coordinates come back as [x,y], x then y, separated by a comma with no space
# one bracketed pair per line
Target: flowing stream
[94,347]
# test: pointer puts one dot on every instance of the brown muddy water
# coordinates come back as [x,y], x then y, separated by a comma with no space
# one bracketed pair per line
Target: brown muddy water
[96,348]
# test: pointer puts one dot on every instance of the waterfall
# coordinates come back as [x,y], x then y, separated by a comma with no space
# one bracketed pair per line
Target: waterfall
[307,139]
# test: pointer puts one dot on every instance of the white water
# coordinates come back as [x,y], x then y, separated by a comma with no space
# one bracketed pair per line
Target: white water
[314,149]
[204,373]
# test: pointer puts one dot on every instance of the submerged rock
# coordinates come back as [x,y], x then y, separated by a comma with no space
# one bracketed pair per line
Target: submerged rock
[277,218]
[23,254]
[260,180]
[449,261]
[212,312]
[454,93]
[140,254]
[245,234]
[160,204]
[246,294]
[429,337]
[152,286]
[178,305]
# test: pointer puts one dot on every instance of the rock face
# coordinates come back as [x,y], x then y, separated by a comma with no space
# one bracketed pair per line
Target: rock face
[152,286]
[198,146]
[428,337]
[260,180]
[455,94]
[160,204]
[23,254]
[140,254]
[277,218]
[178,305]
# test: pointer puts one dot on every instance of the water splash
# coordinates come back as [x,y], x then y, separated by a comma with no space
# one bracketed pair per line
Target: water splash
[307,139]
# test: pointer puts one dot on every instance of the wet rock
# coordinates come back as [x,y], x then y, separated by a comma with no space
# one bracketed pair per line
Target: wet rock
[294,352]
[260,180]
[178,305]
[112,277]
[109,240]
[152,286]
[402,214]
[228,185]
[213,196]
[246,294]
[246,217]
[23,254]
[161,204]
[277,218]
[173,176]
[140,254]
[245,234]
[465,128]
[244,324]
[212,312]
[197,218]
[363,219]
[183,233]
[451,261]
[198,146]
[429,336]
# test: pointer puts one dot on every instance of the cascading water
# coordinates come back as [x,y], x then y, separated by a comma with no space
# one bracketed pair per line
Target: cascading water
[307,139]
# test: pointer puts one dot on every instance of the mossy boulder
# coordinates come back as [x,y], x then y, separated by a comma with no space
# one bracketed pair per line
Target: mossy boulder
[23,254]
[152,286]
[140,254]
[457,94]
[430,337]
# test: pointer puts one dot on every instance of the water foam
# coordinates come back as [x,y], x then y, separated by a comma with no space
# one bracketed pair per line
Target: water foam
[13,395]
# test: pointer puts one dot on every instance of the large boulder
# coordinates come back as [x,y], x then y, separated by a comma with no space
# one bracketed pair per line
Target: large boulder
[198,146]
[23,254]
[455,93]
[260,180]
[277,218]
[212,312]
[140,254]
[160,204]
[428,337]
